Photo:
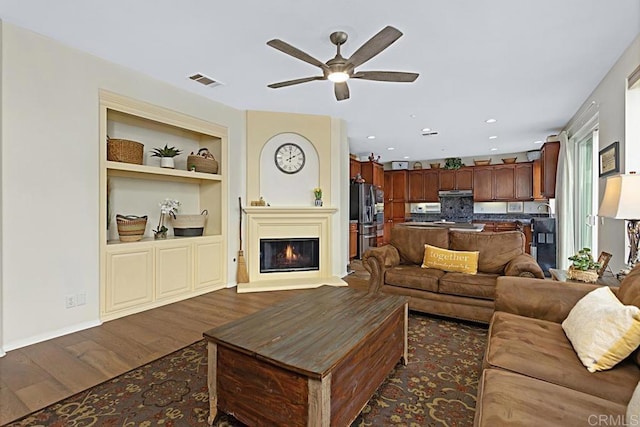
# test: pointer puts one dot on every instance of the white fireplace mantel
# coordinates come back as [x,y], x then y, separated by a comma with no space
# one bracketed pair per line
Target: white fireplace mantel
[288,222]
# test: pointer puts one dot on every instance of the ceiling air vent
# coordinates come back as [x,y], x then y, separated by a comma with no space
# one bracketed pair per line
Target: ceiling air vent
[205,80]
[432,133]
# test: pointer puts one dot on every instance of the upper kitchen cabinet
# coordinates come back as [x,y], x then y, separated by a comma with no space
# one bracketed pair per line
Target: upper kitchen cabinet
[354,167]
[423,185]
[503,182]
[372,173]
[548,168]
[456,179]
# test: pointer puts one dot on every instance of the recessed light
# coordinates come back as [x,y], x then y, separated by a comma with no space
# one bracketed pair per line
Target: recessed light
[538,142]
[494,149]
[405,157]
[371,137]
[493,137]
[490,121]
[390,148]
[426,129]
[413,116]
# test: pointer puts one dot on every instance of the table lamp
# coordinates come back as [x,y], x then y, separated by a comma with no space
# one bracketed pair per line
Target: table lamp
[622,201]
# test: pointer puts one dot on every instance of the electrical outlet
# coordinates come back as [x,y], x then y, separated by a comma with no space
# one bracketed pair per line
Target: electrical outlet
[70,301]
[81,298]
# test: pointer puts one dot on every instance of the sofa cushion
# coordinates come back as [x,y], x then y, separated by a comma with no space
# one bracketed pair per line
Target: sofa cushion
[633,408]
[629,292]
[540,349]
[444,259]
[508,399]
[410,241]
[481,285]
[413,277]
[602,330]
[496,249]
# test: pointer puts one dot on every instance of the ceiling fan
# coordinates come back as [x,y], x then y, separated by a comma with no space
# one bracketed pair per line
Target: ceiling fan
[340,69]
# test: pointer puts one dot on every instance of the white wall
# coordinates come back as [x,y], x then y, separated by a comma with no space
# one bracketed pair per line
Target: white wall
[50,178]
[609,97]
[2,353]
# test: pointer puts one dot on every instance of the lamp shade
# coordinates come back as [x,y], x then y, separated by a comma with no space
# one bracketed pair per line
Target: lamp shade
[621,197]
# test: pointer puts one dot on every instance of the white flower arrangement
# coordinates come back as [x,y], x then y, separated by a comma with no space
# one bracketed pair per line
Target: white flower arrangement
[167,207]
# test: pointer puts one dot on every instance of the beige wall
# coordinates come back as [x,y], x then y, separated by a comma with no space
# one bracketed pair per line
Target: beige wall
[50,178]
[610,100]
[328,137]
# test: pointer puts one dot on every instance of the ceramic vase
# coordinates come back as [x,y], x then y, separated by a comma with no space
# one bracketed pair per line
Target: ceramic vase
[167,162]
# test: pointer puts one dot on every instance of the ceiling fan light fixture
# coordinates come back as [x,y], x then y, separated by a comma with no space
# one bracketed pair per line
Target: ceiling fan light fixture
[338,77]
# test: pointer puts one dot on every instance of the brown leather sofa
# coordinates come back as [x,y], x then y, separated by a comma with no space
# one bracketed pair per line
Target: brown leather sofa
[396,269]
[531,374]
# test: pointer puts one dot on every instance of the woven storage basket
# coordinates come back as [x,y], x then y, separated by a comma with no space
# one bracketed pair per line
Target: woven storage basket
[590,276]
[124,150]
[189,225]
[202,164]
[130,227]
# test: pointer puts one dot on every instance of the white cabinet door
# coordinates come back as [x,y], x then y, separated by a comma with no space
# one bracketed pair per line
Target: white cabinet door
[129,278]
[173,270]
[208,265]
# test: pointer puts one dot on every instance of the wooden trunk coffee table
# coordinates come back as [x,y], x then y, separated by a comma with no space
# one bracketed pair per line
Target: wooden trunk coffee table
[313,360]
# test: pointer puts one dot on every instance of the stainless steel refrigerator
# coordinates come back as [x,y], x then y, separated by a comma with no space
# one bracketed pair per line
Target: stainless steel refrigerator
[362,208]
[543,243]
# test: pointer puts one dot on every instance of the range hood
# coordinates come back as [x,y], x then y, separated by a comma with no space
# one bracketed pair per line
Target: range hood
[455,193]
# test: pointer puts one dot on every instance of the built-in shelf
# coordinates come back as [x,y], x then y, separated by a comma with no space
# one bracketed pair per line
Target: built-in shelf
[131,170]
[147,240]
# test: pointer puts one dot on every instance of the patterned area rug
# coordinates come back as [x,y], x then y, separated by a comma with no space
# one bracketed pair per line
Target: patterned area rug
[437,388]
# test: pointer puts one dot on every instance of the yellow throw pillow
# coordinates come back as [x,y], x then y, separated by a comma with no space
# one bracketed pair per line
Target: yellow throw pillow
[443,259]
[602,330]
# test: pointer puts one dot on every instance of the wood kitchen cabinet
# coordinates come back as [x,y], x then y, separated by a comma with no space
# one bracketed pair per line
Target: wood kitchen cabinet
[353,240]
[512,182]
[456,179]
[548,168]
[536,180]
[354,167]
[372,173]
[396,196]
[423,185]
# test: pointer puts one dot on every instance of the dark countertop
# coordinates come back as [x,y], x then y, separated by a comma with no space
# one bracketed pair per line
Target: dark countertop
[509,217]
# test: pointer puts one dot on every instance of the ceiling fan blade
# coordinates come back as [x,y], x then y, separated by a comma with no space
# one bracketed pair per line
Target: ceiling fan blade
[296,53]
[386,76]
[341,90]
[374,45]
[295,82]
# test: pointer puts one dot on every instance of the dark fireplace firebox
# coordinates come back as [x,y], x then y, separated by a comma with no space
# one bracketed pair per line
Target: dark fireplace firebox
[282,255]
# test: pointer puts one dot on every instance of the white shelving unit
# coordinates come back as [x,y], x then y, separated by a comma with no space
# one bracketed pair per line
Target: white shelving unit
[137,276]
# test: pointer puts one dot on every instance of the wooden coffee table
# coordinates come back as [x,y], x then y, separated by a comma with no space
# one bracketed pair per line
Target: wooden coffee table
[313,360]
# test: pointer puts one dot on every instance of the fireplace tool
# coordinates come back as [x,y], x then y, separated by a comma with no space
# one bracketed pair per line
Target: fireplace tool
[241,275]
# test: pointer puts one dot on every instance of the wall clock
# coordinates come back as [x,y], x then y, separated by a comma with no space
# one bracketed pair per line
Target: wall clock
[289,158]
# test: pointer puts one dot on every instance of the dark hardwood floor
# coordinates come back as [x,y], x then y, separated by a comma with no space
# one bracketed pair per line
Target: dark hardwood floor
[38,375]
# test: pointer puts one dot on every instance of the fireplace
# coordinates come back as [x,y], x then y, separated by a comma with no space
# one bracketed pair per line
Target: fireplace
[289,248]
[289,254]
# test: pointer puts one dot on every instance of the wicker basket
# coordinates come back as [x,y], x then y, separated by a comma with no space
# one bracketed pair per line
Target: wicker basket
[202,164]
[130,227]
[189,225]
[589,276]
[124,150]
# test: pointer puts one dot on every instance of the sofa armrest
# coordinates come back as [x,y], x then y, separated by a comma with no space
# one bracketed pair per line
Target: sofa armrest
[523,265]
[376,261]
[541,299]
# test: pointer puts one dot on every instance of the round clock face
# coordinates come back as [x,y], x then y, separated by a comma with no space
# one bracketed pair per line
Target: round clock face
[289,158]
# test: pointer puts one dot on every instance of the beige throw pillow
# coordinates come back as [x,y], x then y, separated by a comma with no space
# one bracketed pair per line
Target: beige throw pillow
[602,330]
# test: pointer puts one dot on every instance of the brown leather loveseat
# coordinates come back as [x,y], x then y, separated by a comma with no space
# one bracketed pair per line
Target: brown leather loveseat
[396,269]
[531,373]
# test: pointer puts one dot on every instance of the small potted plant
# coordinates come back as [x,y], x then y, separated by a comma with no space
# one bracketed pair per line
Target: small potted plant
[583,266]
[167,207]
[166,155]
[317,192]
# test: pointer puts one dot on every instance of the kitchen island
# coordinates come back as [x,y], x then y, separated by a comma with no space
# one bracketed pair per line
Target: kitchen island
[455,226]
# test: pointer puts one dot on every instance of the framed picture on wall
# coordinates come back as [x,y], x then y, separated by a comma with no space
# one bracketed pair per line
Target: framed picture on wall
[609,159]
